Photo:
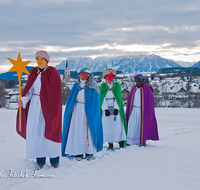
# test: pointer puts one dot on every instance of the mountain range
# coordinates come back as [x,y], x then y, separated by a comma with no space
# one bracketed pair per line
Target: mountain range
[126,64]
[13,75]
[197,65]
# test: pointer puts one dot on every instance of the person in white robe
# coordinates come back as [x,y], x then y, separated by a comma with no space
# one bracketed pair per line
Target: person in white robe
[37,146]
[113,127]
[140,114]
[77,144]
[79,140]
[133,135]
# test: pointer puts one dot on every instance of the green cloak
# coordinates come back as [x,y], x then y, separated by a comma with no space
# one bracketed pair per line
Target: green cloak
[117,92]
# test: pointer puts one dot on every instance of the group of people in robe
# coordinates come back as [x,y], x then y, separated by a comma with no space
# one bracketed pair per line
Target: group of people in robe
[92,116]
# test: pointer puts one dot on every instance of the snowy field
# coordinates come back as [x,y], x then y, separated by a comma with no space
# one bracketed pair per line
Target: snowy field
[173,163]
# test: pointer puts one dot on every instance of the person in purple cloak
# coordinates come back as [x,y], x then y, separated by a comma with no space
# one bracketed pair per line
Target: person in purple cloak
[140,114]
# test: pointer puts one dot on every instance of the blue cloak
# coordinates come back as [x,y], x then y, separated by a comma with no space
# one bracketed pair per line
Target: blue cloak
[92,114]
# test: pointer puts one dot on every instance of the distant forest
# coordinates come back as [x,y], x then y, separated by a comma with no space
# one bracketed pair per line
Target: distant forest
[184,71]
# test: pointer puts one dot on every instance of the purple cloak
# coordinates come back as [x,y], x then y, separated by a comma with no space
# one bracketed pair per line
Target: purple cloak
[148,128]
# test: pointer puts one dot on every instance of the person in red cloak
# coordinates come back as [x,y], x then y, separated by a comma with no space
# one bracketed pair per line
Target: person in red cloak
[41,117]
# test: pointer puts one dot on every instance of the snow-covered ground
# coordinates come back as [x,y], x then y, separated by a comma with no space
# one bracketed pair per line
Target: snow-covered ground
[173,163]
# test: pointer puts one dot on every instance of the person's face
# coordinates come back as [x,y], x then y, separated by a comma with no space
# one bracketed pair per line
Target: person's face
[139,82]
[84,75]
[41,62]
[109,77]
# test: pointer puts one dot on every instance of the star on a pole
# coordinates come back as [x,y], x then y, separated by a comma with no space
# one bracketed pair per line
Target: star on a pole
[19,66]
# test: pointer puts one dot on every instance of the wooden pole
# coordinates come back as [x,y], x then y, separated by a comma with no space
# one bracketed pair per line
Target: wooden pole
[20,109]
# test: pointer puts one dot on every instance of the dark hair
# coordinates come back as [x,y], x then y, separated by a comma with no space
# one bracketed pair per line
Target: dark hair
[45,60]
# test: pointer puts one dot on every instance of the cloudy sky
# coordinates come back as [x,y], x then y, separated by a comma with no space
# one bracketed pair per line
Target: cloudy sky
[67,28]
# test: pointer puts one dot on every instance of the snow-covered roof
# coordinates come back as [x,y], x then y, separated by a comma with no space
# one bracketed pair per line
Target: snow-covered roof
[8,89]
[124,89]
[12,92]
[195,87]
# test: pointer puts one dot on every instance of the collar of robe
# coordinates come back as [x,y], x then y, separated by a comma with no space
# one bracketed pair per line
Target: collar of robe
[110,84]
[41,70]
[140,86]
[81,87]
[113,86]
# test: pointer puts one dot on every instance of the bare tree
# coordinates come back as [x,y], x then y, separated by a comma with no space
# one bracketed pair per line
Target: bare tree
[156,94]
[65,93]
[9,83]
[196,101]
[2,95]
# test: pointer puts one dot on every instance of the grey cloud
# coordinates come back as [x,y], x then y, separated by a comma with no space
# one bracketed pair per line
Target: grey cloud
[95,23]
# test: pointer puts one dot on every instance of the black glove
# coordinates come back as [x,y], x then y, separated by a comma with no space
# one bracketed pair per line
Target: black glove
[115,112]
[107,113]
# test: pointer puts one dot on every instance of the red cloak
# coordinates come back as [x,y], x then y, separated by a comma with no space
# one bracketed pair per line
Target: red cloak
[51,103]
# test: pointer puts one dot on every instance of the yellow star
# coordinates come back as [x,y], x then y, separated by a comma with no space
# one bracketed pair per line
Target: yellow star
[19,66]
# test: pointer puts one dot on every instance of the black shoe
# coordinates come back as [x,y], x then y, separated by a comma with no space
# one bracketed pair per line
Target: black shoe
[79,157]
[39,166]
[142,145]
[89,157]
[55,165]
[121,144]
[110,146]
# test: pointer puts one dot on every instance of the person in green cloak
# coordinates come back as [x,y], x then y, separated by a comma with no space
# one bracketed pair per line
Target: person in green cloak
[112,110]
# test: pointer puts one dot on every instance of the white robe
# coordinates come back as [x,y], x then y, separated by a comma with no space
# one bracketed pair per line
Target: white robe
[113,131]
[133,134]
[77,143]
[36,144]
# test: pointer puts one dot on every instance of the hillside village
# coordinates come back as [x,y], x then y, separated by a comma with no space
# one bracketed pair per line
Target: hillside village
[169,90]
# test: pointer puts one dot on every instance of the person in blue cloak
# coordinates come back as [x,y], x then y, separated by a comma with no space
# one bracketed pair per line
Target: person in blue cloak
[82,125]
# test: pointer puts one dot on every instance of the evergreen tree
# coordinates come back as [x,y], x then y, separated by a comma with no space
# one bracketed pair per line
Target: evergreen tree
[182,78]
[152,77]
[188,87]
[147,80]
[160,77]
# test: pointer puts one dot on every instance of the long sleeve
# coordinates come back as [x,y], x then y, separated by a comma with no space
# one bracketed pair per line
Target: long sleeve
[116,105]
[25,99]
